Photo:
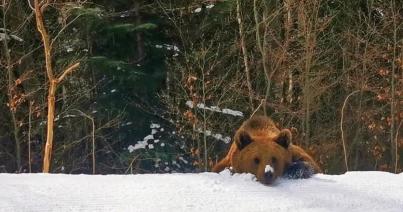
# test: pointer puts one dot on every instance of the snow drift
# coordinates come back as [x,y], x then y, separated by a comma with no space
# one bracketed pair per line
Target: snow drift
[353,191]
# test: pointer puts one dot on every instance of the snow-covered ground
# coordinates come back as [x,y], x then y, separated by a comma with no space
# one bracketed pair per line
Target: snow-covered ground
[354,191]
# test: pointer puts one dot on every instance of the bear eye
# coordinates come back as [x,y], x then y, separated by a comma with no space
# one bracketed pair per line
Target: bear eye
[256,160]
[274,160]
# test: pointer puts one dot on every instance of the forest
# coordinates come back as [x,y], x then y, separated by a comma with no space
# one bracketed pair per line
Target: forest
[160,86]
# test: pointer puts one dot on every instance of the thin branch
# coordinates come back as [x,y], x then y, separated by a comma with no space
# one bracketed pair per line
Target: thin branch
[68,71]
[244,52]
[62,30]
[131,165]
[393,89]
[341,127]
[258,107]
[30,5]
[29,135]
[45,39]
[92,135]
[396,152]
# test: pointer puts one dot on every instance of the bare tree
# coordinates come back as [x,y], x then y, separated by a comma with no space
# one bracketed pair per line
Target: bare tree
[244,52]
[53,80]
[393,144]
[14,99]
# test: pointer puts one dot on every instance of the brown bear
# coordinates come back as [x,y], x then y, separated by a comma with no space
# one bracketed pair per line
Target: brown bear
[260,148]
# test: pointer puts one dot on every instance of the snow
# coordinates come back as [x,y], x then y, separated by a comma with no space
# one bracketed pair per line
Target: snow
[268,168]
[153,125]
[353,191]
[215,109]
[6,35]
[138,145]
[148,137]
[217,136]
[197,10]
[210,6]
[131,148]
[232,112]
[144,143]
[168,47]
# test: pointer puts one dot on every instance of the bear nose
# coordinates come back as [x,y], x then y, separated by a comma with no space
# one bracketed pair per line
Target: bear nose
[268,176]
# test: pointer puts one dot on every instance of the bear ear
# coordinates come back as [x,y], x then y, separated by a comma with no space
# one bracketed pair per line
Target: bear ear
[284,138]
[244,140]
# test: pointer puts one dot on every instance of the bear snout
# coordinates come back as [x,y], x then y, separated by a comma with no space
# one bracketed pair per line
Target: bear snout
[268,177]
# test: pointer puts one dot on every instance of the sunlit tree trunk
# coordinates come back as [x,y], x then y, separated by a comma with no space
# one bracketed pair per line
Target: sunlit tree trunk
[53,81]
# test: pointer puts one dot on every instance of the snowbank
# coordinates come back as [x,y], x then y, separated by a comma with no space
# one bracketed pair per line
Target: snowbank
[354,191]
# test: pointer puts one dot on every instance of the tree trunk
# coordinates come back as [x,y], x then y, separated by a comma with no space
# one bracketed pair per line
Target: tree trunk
[10,85]
[50,125]
[139,35]
[244,52]
[393,144]
[53,82]
[261,47]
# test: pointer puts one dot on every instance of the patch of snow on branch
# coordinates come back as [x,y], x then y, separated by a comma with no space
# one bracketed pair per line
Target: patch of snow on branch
[232,112]
[215,109]
[144,143]
[70,116]
[197,10]
[168,47]
[217,136]
[148,137]
[5,35]
[153,126]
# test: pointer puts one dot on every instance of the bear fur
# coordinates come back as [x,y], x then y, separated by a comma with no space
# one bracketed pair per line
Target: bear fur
[260,148]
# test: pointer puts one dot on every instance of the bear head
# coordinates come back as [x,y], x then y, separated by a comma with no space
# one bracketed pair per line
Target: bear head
[267,158]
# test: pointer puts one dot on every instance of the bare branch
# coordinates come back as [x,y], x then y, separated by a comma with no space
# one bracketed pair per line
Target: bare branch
[45,38]
[62,30]
[396,146]
[93,137]
[244,52]
[68,71]
[30,5]
[341,127]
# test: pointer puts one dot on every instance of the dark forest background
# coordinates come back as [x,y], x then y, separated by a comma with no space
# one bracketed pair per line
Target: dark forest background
[162,85]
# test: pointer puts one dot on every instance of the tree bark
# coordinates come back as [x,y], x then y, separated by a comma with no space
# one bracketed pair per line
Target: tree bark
[10,85]
[50,126]
[139,35]
[393,144]
[244,52]
[261,44]
[53,82]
